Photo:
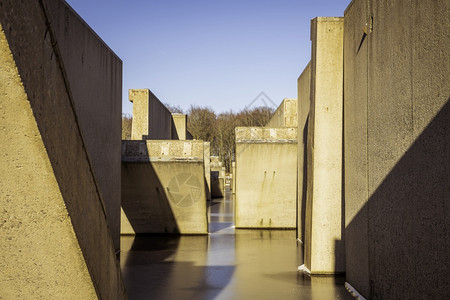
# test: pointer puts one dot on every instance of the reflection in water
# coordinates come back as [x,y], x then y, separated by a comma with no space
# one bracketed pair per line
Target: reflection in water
[226,264]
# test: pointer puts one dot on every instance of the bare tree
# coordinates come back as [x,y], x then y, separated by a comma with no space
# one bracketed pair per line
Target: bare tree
[127,119]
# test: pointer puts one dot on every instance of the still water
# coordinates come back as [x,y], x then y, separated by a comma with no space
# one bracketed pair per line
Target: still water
[228,263]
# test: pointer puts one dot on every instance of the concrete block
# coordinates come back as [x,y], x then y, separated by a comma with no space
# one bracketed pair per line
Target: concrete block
[266,177]
[54,236]
[151,119]
[233,184]
[303,85]
[207,162]
[401,216]
[163,186]
[324,247]
[285,115]
[179,127]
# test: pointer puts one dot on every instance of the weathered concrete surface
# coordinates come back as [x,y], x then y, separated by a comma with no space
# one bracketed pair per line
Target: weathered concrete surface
[266,177]
[163,186]
[398,208]
[179,127]
[324,248]
[94,74]
[303,86]
[54,236]
[217,178]
[207,163]
[285,115]
[151,119]
[233,173]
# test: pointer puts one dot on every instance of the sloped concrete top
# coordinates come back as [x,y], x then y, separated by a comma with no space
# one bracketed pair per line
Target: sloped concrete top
[266,135]
[162,150]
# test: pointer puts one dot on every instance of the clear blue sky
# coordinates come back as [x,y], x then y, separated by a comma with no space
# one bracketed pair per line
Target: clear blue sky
[220,54]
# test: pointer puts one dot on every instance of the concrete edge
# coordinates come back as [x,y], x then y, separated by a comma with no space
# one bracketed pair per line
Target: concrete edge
[161,159]
[353,291]
[290,141]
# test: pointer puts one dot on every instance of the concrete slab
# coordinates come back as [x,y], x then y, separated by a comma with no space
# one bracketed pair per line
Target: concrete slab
[207,162]
[266,177]
[54,237]
[304,95]
[324,247]
[163,187]
[285,115]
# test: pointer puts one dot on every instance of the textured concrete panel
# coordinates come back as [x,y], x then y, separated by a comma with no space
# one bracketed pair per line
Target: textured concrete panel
[207,162]
[94,74]
[407,142]
[266,177]
[163,187]
[41,254]
[355,146]
[303,85]
[151,119]
[179,126]
[324,248]
[285,115]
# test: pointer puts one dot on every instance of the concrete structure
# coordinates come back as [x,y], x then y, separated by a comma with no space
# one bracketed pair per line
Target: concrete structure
[285,115]
[163,187]
[217,178]
[303,85]
[179,127]
[151,119]
[397,158]
[207,163]
[324,248]
[56,216]
[266,177]
[233,174]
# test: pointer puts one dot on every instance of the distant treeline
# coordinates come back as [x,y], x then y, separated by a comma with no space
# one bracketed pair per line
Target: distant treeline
[218,129]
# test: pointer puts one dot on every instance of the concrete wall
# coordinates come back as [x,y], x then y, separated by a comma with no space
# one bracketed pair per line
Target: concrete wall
[397,138]
[217,178]
[94,74]
[151,119]
[285,115]
[303,85]
[324,248]
[163,187]
[266,177]
[54,236]
[207,163]
[179,127]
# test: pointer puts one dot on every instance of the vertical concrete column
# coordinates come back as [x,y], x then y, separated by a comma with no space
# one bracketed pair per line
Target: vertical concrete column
[207,162]
[140,124]
[233,184]
[304,85]
[179,126]
[324,248]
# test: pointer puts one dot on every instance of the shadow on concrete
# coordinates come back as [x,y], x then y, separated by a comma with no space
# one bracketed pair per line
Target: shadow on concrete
[144,200]
[305,180]
[399,238]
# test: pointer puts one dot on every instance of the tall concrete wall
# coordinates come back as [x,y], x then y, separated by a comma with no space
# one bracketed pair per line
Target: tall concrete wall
[303,85]
[266,177]
[285,115]
[94,74]
[163,187]
[397,162]
[151,119]
[207,163]
[54,236]
[324,247]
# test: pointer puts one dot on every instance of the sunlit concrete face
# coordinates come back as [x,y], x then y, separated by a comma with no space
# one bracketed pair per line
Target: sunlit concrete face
[163,187]
[227,264]
[266,177]
[324,247]
[285,115]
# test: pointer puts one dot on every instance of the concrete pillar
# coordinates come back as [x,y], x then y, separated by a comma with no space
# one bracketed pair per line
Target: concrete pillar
[303,85]
[285,115]
[324,247]
[140,125]
[233,184]
[207,162]
[179,127]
